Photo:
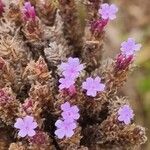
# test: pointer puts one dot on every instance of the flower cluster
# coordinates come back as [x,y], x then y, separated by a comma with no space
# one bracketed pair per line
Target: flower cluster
[125,114]
[70,70]
[93,86]
[28,12]
[26,126]
[66,125]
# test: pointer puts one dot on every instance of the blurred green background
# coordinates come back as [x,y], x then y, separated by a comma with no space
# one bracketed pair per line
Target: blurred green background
[133,20]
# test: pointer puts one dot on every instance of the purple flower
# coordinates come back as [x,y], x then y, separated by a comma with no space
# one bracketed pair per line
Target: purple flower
[72,68]
[108,11]
[28,12]
[70,112]
[26,126]
[125,114]
[66,83]
[64,128]
[129,47]
[93,86]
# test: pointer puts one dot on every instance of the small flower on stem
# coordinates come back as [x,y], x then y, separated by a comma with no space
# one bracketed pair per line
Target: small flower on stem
[72,68]
[66,83]
[129,47]
[125,114]
[93,86]
[28,12]
[108,11]
[65,128]
[26,126]
[70,113]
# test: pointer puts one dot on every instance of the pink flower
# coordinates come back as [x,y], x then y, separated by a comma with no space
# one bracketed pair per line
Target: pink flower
[129,47]
[125,114]
[108,11]
[70,112]
[1,7]
[26,126]
[64,128]
[65,83]
[72,68]
[93,86]
[28,12]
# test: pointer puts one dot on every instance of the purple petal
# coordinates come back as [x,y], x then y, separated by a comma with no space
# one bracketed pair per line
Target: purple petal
[28,120]
[127,121]
[19,123]
[58,123]
[75,109]
[65,106]
[91,93]
[33,125]
[60,133]
[69,133]
[31,133]
[22,133]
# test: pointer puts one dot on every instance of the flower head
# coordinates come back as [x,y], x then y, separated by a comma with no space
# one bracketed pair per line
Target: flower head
[28,12]
[93,86]
[72,68]
[129,47]
[26,126]
[125,114]
[70,112]
[108,11]
[66,83]
[64,128]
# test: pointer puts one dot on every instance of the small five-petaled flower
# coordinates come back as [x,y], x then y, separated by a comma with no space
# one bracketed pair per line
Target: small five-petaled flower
[93,86]
[65,128]
[129,47]
[70,70]
[70,112]
[26,126]
[125,114]
[108,11]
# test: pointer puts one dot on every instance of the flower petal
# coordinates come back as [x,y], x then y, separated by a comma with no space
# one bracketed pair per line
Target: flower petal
[22,133]
[19,123]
